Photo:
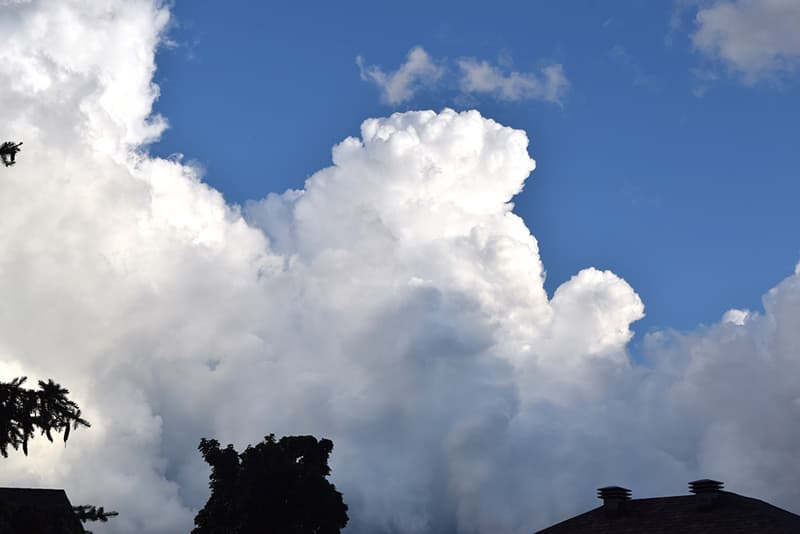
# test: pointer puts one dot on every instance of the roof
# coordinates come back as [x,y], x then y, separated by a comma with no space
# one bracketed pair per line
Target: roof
[45,498]
[730,513]
[37,511]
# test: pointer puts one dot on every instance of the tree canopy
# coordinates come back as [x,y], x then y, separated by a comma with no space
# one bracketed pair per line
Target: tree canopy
[273,487]
[23,411]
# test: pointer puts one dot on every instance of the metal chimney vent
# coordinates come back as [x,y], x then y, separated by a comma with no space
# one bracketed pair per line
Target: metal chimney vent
[708,492]
[705,485]
[614,493]
[614,498]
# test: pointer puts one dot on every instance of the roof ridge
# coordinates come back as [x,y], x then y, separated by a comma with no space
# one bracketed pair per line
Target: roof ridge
[732,513]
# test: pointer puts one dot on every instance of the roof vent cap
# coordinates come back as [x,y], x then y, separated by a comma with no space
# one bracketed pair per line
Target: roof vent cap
[615,493]
[614,499]
[705,485]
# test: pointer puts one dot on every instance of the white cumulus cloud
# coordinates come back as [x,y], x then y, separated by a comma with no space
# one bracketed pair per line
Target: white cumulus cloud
[474,77]
[756,38]
[483,77]
[396,87]
[394,304]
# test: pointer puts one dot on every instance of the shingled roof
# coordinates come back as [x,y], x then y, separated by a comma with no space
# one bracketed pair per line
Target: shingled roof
[709,511]
[37,511]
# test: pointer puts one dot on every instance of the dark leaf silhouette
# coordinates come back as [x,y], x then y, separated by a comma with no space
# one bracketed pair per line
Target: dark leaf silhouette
[23,411]
[8,152]
[87,512]
[275,486]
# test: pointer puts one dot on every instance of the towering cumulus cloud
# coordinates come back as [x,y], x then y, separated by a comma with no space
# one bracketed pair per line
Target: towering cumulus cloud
[394,305]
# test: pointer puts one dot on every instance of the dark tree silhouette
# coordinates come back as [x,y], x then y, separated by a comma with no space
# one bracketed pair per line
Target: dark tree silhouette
[275,487]
[8,152]
[22,411]
[87,512]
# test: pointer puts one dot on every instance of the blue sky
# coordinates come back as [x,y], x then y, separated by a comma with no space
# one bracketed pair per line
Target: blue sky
[685,187]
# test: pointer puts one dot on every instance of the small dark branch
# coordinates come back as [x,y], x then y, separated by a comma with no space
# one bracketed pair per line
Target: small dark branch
[8,152]
[88,512]
[22,411]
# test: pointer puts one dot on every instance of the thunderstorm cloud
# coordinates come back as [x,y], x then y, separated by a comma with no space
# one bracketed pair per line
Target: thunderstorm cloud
[395,304]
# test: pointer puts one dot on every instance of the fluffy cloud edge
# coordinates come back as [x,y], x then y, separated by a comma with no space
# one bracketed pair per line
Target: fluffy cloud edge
[475,77]
[756,39]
